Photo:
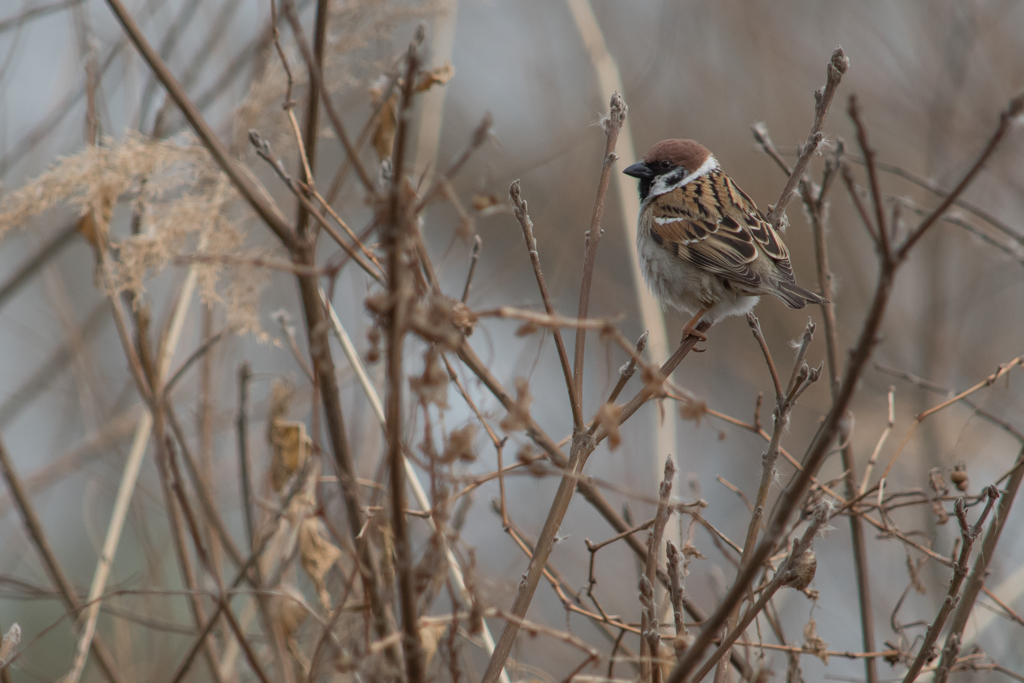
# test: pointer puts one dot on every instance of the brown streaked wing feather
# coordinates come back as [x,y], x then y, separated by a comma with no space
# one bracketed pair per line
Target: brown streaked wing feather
[696,231]
[760,229]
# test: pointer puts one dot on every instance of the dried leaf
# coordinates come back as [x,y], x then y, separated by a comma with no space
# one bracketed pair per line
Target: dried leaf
[461,444]
[430,636]
[802,572]
[443,320]
[291,448]
[690,551]
[387,124]
[813,644]
[11,640]
[318,556]
[289,609]
[436,76]
[432,385]
[608,416]
[519,414]
[692,409]
[653,380]
[484,201]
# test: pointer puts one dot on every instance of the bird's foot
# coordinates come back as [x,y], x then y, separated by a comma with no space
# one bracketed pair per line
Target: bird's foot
[691,331]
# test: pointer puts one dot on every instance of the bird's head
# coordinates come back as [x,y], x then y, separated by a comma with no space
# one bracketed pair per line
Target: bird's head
[671,164]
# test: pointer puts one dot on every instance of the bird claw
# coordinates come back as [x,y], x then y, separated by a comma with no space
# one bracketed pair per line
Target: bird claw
[696,334]
[696,350]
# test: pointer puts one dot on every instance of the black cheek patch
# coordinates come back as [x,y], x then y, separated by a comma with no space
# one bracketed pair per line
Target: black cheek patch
[676,176]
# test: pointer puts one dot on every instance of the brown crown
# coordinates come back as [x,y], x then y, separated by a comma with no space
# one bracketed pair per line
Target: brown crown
[686,153]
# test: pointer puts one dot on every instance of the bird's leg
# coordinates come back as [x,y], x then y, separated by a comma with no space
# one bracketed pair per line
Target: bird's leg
[690,328]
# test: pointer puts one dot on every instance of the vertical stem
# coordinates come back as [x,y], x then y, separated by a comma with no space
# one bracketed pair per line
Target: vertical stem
[310,132]
[867,617]
[242,424]
[398,244]
[976,580]
[612,125]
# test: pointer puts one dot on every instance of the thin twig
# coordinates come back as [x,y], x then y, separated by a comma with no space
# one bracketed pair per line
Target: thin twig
[519,206]
[650,640]
[1006,118]
[474,257]
[876,193]
[789,574]
[611,124]
[583,445]
[311,132]
[420,495]
[262,148]
[984,559]
[247,186]
[49,560]
[316,78]
[837,66]
[821,445]
[968,534]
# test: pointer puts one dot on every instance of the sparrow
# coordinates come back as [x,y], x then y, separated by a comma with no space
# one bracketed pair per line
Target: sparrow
[704,247]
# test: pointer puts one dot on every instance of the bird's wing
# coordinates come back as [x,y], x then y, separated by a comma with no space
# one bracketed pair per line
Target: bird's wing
[715,226]
[689,223]
[760,229]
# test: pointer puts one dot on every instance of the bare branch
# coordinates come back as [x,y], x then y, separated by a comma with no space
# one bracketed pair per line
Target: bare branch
[837,66]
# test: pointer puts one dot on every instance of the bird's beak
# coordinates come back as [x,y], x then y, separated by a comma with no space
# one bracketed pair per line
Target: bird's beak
[639,170]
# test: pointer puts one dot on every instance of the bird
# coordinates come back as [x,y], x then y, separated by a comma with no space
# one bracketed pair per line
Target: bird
[704,247]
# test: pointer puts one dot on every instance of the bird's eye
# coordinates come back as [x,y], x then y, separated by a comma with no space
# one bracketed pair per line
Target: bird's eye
[665,164]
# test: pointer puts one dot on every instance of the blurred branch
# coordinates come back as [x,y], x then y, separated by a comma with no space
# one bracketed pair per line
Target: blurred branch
[317,80]
[67,591]
[188,574]
[22,397]
[247,185]
[397,234]
[936,190]
[1013,110]
[34,263]
[310,131]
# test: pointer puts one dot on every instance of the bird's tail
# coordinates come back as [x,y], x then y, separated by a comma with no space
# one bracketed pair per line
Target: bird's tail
[795,296]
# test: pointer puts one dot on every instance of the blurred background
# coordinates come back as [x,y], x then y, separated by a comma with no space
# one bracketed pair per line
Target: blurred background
[931,79]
